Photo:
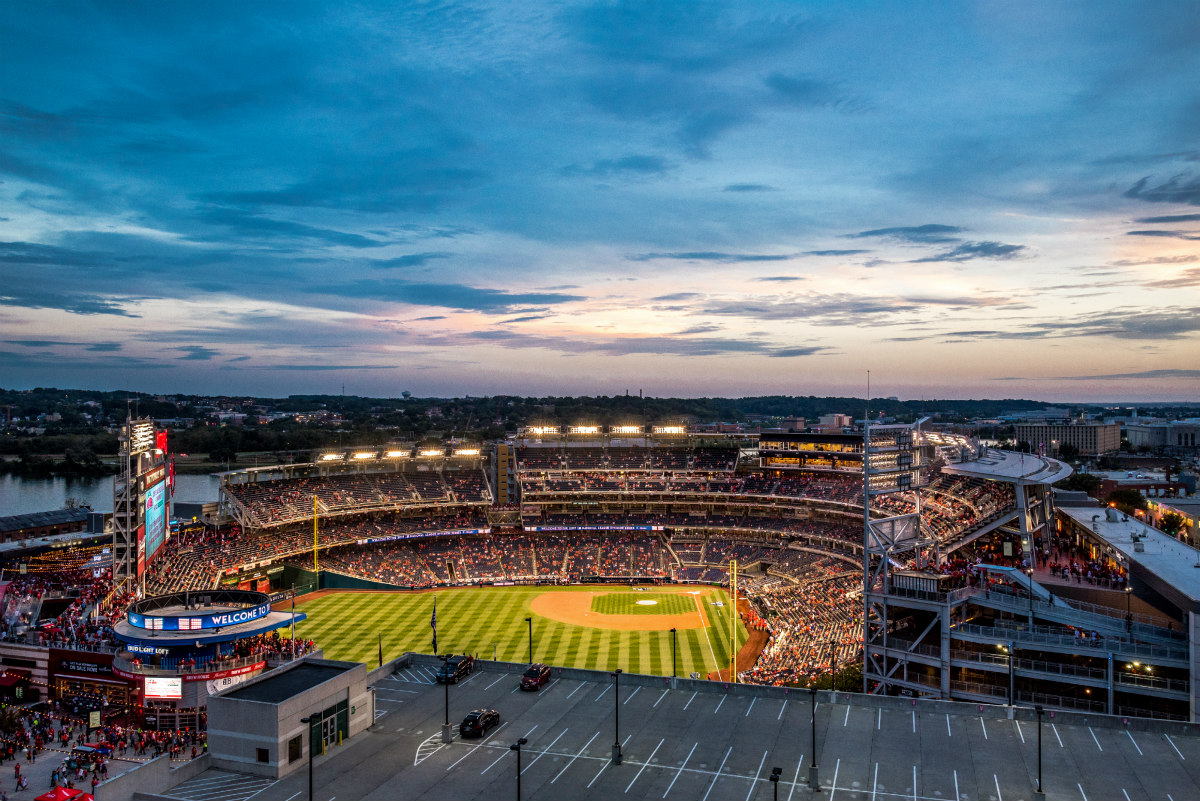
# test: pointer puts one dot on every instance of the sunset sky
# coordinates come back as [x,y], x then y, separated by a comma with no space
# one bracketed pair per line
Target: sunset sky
[969,200]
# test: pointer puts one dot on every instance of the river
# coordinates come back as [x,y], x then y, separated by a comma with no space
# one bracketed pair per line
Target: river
[23,495]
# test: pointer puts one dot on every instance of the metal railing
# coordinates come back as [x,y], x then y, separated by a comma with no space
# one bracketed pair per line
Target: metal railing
[1153,682]
[125,661]
[977,688]
[1053,636]
[1063,702]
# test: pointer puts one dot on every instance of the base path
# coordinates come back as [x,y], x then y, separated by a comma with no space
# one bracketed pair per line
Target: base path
[576,608]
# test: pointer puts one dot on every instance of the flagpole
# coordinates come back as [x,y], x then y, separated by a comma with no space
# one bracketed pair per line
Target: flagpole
[433,624]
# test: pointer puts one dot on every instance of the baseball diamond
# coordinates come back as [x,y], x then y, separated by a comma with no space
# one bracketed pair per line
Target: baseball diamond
[490,621]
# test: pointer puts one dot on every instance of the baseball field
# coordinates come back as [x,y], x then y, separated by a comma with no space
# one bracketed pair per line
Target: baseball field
[597,627]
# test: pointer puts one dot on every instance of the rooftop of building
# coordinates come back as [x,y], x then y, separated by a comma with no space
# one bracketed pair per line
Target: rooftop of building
[1026,468]
[280,686]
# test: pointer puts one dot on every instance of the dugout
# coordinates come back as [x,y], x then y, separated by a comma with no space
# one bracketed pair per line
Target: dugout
[257,726]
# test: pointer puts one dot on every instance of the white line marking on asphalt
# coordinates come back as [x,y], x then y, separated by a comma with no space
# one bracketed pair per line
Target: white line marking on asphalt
[984,725]
[468,681]
[630,698]
[256,792]
[752,700]
[704,626]
[833,787]
[644,764]
[717,775]
[999,797]
[1056,737]
[551,684]
[757,773]
[293,795]
[395,690]
[601,695]
[718,709]
[503,676]
[493,734]
[681,767]
[846,721]
[577,689]
[503,754]
[597,776]
[1135,745]
[956,795]
[689,703]
[795,778]
[1127,798]
[879,719]
[1172,742]
[1097,742]
[543,753]
[875,782]
[914,714]
[948,732]
[1020,733]
[572,761]
[461,758]
[914,783]
[1081,792]
[780,715]
[664,695]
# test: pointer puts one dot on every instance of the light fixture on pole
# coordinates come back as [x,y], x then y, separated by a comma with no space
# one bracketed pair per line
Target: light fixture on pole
[529,620]
[517,747]
[774,778]
[814,782]
[616,749]
[674,650]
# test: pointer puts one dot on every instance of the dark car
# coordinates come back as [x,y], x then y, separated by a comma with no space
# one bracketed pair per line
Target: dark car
[535,676]
[455,668]
[478,722]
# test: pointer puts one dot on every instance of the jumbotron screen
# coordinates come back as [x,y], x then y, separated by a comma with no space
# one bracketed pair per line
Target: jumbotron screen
[156,518]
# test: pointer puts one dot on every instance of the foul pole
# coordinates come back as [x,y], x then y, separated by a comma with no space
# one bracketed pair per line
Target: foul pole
[733,622]
[316,567]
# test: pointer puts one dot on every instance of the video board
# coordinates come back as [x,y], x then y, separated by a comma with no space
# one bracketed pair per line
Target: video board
[156,518]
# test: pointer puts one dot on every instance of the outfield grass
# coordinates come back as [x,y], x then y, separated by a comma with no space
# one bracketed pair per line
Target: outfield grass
[487,620]
[624,602]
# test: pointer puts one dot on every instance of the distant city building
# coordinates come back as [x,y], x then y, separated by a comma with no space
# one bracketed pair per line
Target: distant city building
[1176,435]
[1091,439]
[828,422]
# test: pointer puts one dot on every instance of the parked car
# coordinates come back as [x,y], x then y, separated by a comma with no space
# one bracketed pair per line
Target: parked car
[535,676]
[478,722]
[455,669]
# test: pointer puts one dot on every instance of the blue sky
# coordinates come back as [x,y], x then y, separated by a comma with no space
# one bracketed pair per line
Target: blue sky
[974,200]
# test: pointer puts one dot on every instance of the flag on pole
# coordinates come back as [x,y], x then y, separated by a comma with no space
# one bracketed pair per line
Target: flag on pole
[433,625]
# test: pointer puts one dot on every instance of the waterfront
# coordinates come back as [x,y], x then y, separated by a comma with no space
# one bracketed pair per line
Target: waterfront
[24,495]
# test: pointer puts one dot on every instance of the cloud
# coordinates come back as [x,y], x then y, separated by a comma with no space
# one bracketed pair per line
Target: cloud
[626,165]
[197,353]
[1165,234]
[1169,218]
[834,252]
[783,279]
[1182,188]
[247,224]
[76,303]
[105,347]
[1140,376]
[843,309]
[411,260]
[1186,278]
[450,296]
[1187,259]
[975,250]
[528,318]
[676,296]
[932,233]
[709,255]
[748,188]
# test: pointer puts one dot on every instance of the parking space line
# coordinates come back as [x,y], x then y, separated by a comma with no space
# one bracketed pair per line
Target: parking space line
[1135,745]
[984,725]
[718,709]
[948,732]
[846,722]
[601,695]
[256,792]
[875,782]
[1020,733]
[577,689]
[503,754]
[681,767]
[1096,741]
[1056,737]
[833,787]
[1172,742]
[498,728]
[572,760]
[664,695]
[780,715]
[757,773]
[551,684]
[1127,798]
[879,719]
[957,797]
[630,698]
[461,758]
[503,676]
[717,775]
[689,703]
[796,778]
[1000,797]
[468,681]
[752,700]
[914,720]
[603,765]
[1081,792]
[644,764]
[543,753]
[914,783]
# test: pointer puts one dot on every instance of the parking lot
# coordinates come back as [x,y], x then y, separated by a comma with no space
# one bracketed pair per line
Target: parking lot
[707,744]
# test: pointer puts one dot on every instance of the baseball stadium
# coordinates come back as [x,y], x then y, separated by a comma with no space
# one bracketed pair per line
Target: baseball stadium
[893,564]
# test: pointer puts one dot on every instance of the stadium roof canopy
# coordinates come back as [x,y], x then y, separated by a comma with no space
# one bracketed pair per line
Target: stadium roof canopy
[1018,468]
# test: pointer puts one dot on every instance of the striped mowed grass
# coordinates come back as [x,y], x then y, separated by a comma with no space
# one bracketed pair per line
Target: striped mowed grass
[487,620]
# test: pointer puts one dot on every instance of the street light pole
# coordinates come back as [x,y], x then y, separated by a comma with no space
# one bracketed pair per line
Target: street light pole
[517,747]
[814,783]
[616,749]
[1012,653]
[447,736]
[1029,573]
[529,620]
[1041,794]
[775,780]
[674,648]
[308,721]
